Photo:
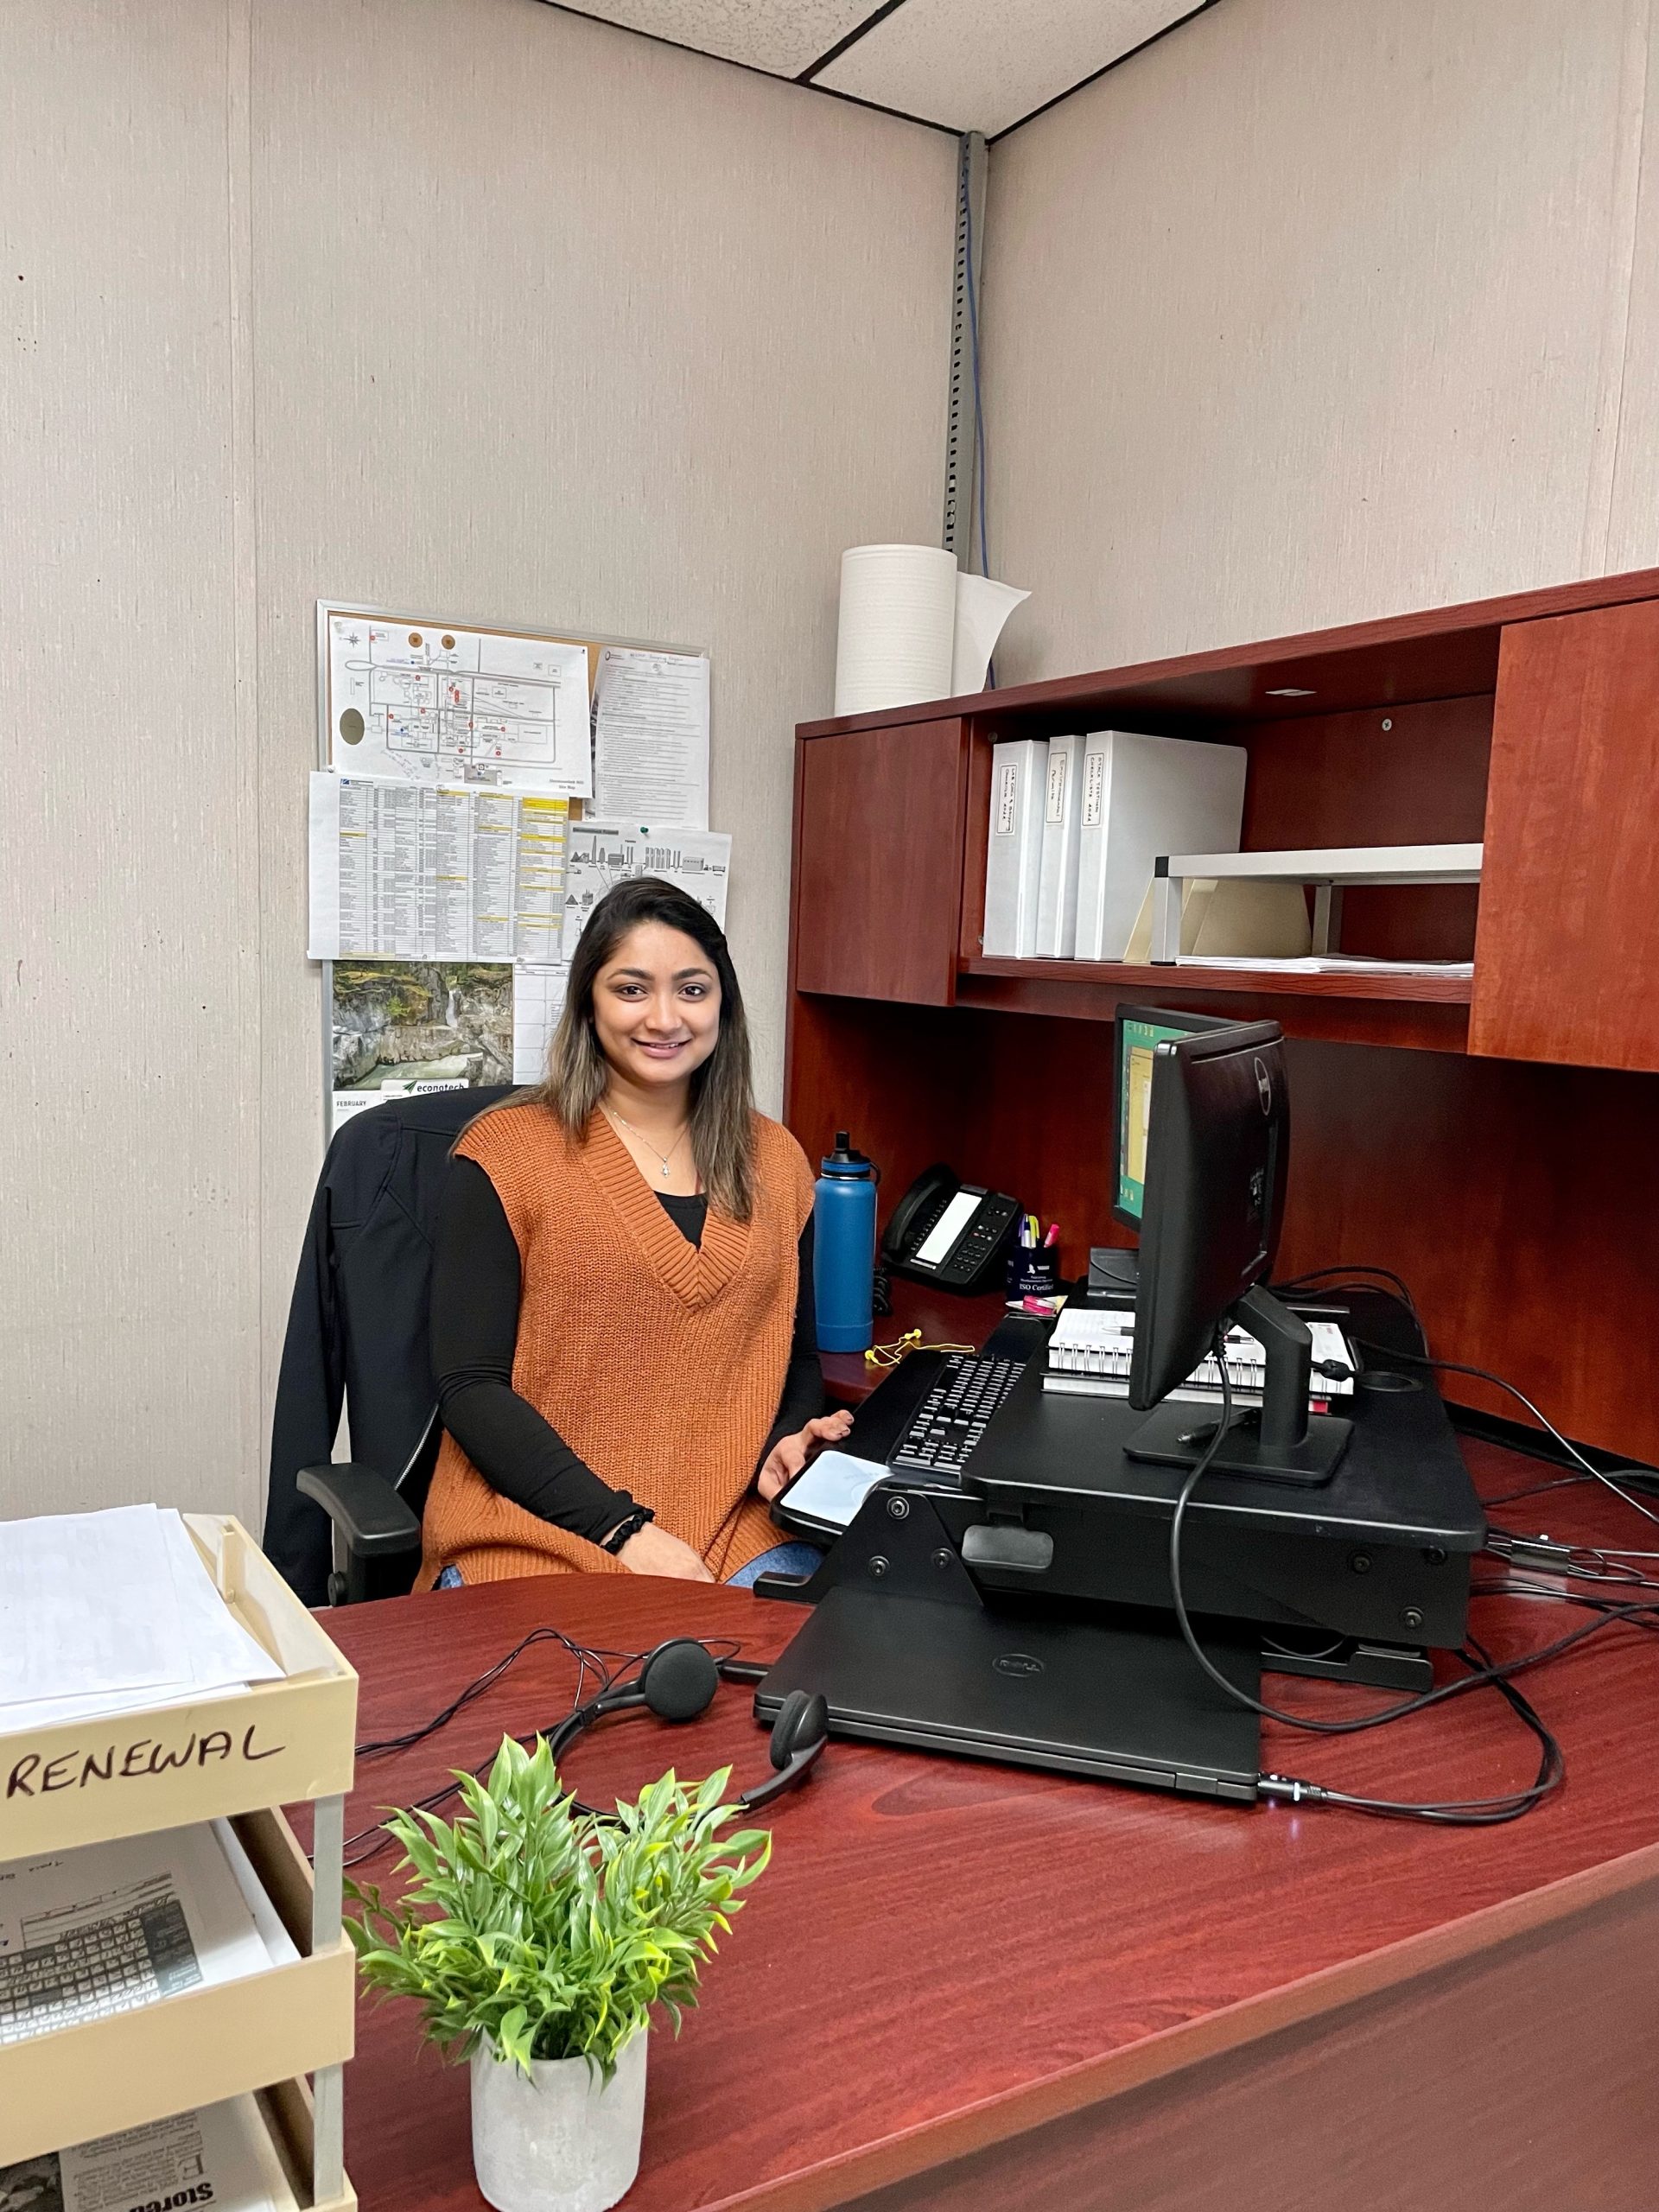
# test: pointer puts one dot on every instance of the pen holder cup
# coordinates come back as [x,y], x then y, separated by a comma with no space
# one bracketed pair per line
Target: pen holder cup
[1033,1273]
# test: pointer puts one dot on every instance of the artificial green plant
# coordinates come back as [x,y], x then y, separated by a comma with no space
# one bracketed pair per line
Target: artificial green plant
[546,1932]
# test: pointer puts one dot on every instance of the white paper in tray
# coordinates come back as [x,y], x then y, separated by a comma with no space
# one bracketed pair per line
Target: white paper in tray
[87,1603]
[127,1923]
[221,2156]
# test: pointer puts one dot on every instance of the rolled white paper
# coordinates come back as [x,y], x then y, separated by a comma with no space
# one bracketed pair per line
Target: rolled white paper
[982,606]
[897,627]
[913,628]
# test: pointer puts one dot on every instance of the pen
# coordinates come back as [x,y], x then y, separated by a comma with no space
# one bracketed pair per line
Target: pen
[1053,1236]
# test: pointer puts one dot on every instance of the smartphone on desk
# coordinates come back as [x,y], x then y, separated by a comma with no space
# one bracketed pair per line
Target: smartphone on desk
[827,1493]
[824,1498]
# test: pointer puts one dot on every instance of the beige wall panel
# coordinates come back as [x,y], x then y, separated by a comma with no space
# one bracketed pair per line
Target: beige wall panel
[557,324]
[1633,518]
[127,892]
[1311,312]
[470,305]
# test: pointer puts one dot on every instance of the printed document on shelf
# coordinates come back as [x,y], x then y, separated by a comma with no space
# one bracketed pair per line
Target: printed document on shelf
[221,2156]
[1328,964]
[87,1604]
[111,1927]
[651,736]
[92,1585]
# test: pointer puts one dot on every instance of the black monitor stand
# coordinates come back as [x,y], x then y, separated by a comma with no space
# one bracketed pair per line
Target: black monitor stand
[1281,1441]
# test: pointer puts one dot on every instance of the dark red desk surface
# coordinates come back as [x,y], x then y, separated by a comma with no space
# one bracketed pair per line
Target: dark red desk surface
[942,1320]
[945,1953]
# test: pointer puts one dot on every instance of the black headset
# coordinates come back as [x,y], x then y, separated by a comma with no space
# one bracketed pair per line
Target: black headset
[677,1681]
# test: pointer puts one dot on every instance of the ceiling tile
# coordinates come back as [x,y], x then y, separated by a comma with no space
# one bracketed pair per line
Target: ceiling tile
[982,65]
[783,36]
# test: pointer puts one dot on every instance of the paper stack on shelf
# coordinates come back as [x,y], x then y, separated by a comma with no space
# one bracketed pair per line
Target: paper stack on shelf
[1089,1354]
[221,2156]
[1234,919]
[164,1942]
[1324,964]
[109,1927]
[109,1612]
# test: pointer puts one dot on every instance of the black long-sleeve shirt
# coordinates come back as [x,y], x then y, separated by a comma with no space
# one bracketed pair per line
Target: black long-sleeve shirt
[474,1331]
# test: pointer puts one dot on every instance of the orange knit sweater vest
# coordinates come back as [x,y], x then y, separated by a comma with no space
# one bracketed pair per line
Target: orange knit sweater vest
[660,1361]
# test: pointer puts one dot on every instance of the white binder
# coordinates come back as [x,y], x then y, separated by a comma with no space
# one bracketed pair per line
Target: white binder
[1056,889]
[1143,796]
[1013,851]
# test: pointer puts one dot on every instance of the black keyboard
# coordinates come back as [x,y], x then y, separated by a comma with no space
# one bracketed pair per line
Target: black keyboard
[951,1419]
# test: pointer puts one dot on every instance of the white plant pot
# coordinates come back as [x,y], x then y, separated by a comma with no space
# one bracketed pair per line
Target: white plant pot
[558,2142]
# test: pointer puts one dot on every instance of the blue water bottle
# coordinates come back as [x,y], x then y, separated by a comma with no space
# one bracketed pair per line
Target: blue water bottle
[844,1249]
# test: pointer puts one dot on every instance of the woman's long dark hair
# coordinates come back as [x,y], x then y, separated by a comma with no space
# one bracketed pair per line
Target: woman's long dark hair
[722,1093]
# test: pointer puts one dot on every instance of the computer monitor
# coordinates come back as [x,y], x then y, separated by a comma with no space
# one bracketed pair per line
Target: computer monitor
[1138,1032]
[1217,1148]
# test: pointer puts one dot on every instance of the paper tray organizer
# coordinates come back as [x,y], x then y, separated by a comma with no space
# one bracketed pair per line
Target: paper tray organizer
[238,1757]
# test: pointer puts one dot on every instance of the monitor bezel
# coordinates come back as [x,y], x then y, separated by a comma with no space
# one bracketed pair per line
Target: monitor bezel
[1187,1018]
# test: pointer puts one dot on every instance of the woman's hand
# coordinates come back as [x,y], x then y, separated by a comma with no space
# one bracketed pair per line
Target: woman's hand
[652,1550]
[791,1453]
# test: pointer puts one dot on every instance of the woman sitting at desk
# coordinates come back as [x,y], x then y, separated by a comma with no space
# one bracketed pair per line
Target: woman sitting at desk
[622,1320]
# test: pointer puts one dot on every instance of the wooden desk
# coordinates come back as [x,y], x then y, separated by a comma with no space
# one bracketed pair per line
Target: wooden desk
[941,1318]
[971,1986]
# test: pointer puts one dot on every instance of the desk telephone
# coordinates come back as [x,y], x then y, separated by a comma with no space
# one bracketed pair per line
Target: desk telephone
[950,1232]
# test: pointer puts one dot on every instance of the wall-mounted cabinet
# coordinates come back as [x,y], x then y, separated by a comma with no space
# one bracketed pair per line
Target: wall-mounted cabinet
[1530,725]
[1499,1184]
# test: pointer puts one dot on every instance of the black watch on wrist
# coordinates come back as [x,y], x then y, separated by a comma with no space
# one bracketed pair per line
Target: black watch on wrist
[630,1525]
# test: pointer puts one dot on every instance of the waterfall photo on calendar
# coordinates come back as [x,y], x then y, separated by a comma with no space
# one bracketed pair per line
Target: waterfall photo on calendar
[402,1025]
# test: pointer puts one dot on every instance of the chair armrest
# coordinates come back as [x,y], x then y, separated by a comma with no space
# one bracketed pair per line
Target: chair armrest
[363,1507]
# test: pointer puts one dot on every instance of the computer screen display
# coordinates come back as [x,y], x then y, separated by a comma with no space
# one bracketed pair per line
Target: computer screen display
[1140,1030]
[1214,1195]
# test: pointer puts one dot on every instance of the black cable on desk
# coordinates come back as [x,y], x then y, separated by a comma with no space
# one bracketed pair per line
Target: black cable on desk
[1333,1288]
[1474,1812]
[1498,1383]
[588,1657]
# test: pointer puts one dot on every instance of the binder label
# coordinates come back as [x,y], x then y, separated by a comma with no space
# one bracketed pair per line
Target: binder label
[1057,787]
[1008,799]
[1093,782]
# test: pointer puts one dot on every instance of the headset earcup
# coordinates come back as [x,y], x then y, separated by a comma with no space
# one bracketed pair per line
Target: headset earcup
[802,1720]
[678,1680]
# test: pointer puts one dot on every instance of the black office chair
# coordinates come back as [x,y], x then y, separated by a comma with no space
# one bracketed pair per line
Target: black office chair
[357,1338]
[374,1520]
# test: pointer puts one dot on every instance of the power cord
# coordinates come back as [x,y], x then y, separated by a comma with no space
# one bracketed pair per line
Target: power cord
[1484,1375]
[1350,1268]
[1475,1811]
[1402,1293]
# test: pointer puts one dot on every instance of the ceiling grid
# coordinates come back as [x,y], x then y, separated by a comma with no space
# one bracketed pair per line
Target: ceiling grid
[963,66]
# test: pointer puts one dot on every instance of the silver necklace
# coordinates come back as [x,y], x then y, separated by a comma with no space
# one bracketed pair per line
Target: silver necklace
[665,1157]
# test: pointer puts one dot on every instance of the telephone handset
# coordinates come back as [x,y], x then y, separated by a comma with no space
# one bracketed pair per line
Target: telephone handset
[950,1232]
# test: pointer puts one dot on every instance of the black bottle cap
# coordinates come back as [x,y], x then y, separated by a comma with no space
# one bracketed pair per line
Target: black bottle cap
[844,1154]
